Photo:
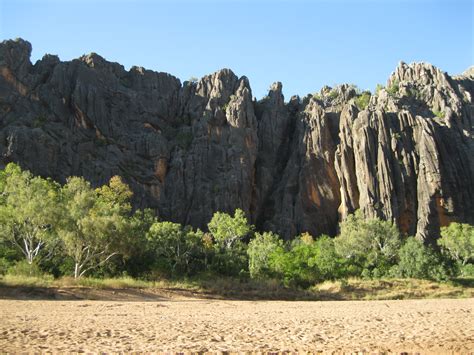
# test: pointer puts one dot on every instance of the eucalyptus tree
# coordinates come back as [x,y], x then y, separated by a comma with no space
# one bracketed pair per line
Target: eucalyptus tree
[94,222]
[29,212]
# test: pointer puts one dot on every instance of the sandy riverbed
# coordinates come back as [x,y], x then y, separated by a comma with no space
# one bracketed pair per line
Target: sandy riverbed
[187,324]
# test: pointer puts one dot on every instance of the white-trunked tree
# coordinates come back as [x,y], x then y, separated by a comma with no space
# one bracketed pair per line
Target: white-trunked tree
[94,222]
[28,212]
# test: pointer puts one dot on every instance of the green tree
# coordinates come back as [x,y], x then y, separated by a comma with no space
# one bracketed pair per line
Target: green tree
[177,245]
[259,250]
[324,257]
[458,241]
[370,242]
[291,263]
[230,256]
[419,261]
[28,212]
[227,230]
[94,222]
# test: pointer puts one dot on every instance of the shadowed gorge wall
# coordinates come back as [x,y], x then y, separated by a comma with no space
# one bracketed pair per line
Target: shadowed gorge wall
[190,149]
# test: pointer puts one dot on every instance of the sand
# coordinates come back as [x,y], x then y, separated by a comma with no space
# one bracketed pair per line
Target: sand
[189,324]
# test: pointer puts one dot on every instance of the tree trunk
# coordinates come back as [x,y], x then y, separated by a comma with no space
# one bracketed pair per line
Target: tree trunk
[77,271]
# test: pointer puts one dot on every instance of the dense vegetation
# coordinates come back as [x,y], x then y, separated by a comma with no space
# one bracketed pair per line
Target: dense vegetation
[76,230]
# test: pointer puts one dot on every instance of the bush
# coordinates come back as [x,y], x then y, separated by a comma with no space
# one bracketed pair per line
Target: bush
[393,88]
[420,262]
[362,101]
[230,261]
[329,264]
[378,87]
[305,262]
[467,270]
[175,247]
[439,114]
[260,249]
[5,264]
[368,243]
[457,240]
[22,268]
[291,264]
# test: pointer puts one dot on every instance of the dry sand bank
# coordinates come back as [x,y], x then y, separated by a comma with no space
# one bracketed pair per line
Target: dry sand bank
[187,324]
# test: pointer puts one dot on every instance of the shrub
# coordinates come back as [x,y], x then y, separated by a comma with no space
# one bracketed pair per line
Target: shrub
[378,88]
[328,263]
[5,264]
[457,240]
[467,270]
[393,88]
[362,101]
[291,264]
[419,261]
[23,268]
[260,249]
[305,262]
[439,114]
[230,261]
[368,243]
[175,247]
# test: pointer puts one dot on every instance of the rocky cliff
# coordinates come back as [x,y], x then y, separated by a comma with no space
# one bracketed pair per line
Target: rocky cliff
[189,149]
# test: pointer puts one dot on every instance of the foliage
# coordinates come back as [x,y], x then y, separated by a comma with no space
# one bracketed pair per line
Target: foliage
[362,100]
[393,88]
[230,261]
[227,230]
[304,262]
[291,264]
[329,264]
[467,270]
[439,114]
[419,261]
[77,230]
[28,212]
[94,222]
[458,241]
[23,268]
[370,243]
[137,258]
[260,250]
[333,94]
[178,246]
[378,87]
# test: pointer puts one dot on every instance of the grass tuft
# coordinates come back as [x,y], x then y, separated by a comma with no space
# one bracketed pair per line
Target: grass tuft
[235,288]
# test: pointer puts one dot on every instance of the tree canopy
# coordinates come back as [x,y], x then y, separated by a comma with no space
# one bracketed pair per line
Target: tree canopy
[93,222]
[28,212]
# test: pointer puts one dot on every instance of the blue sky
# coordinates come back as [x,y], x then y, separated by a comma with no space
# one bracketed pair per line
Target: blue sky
[303,44]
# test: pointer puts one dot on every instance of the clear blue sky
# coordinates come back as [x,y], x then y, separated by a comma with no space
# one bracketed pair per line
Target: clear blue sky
[304,44]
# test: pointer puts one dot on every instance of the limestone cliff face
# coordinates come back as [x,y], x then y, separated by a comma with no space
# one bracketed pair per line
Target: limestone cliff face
[190,149]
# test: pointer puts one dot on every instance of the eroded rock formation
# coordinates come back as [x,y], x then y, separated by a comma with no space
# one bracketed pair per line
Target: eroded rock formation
[190,149]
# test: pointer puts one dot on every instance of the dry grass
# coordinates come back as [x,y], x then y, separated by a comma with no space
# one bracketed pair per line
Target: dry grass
[230,288]
[391,289]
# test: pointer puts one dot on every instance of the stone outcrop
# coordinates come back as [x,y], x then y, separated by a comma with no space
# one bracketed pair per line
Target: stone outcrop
[190,149]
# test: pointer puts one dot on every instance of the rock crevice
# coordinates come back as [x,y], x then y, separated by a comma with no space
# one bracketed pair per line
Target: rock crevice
[190,149]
